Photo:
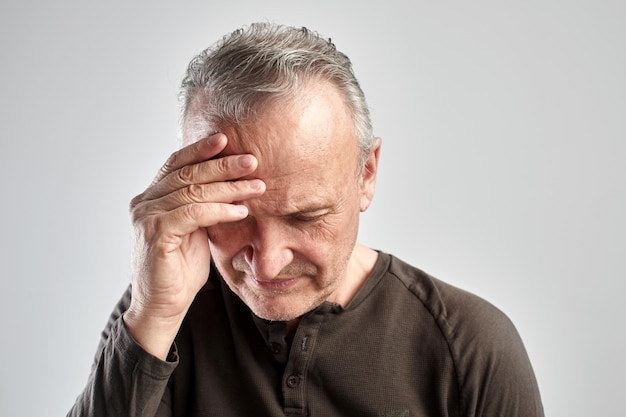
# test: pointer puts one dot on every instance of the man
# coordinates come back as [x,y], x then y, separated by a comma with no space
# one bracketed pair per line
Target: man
[250,295]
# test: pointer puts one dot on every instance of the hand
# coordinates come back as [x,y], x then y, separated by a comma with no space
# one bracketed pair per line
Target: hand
[195,189]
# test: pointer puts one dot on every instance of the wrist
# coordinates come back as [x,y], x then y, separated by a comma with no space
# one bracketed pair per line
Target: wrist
[152,333]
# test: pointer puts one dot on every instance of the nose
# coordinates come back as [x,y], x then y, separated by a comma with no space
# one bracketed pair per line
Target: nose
[268,252]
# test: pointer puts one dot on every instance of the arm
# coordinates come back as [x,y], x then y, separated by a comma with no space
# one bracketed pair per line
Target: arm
[195,189]
[125,380]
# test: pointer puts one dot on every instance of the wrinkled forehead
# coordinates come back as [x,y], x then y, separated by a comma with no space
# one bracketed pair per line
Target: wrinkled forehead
[300,172]
[311,129]
[284,144]
[294,160]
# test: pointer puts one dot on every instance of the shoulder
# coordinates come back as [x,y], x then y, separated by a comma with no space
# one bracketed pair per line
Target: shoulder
[456,311]
[491,364]
[464,319]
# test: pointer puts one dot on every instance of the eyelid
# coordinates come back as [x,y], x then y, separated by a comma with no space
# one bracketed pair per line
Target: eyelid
[309,216]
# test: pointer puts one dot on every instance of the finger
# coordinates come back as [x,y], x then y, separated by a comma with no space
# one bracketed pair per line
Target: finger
[184,220]
[218,192]
[196,152]
[227,168]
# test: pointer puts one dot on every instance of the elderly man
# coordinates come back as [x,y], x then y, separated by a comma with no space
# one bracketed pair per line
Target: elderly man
[249,293]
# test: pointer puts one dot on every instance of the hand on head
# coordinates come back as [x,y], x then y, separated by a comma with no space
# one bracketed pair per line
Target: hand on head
[196,188]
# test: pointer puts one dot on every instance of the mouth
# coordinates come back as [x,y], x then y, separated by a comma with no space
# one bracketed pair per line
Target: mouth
[275,285]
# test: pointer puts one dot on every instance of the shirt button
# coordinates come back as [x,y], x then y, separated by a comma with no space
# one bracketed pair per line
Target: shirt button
[275,348]
[293,381]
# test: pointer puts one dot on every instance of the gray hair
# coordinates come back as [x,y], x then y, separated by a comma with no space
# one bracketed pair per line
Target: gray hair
[265,62]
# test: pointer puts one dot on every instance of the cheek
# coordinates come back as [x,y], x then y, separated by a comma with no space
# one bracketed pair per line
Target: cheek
[226,240]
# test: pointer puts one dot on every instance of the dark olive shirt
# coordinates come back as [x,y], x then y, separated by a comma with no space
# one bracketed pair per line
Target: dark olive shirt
[406,345]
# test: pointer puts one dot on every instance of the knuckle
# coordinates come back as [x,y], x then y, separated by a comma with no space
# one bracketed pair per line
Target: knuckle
[135,202]
[170,164]
[186,174]
[195,192]
[153,229]
[138,213]
[135,215]
[143,230]
[167,168]
[223,165]
[193,211]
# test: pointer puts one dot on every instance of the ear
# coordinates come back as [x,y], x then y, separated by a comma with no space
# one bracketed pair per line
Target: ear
[368,176]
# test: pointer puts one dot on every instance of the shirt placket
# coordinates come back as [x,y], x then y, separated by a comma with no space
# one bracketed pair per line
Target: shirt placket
[295,376]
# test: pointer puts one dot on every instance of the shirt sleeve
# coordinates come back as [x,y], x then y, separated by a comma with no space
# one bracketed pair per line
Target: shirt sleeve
[125,380]
[494,372]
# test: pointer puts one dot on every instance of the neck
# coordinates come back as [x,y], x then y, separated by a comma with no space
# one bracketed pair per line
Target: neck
[360,266]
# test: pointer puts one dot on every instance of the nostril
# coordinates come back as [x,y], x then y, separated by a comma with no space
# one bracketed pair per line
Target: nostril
[249,254]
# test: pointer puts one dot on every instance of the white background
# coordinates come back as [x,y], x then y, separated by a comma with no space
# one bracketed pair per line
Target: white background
[503,167]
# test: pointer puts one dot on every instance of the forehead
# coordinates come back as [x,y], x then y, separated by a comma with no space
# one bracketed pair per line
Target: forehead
[313,121]
[306,146]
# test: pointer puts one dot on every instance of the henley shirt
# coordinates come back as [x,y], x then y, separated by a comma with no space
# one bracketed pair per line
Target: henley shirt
[406,345]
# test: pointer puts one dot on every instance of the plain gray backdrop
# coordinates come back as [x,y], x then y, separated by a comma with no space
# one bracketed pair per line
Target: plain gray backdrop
[503,167]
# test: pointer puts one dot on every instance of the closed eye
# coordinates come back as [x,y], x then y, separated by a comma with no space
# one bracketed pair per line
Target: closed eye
[305,218]
[308,218]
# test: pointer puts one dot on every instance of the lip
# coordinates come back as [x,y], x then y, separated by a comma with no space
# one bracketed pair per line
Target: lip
[279,284]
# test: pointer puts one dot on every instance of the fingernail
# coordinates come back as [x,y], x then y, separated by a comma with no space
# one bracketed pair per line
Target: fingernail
[241,209]
[256,185]
[245,161]
[214,138]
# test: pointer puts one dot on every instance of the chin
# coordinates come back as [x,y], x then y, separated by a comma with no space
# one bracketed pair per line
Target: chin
[275,310]
[275,315]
